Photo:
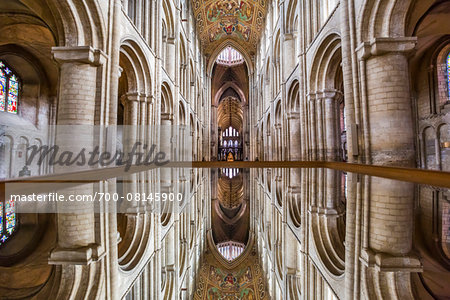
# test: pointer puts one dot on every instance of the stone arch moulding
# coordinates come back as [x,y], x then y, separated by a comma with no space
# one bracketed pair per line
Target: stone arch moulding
[224,87]
[293,104]
[291,14]
[79,25]
[166,99]
[136,56]
[384,18]
[326,62]
[168,14]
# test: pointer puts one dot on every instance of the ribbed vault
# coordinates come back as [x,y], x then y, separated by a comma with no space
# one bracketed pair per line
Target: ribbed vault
[230,113]
[231,191]
[230,211]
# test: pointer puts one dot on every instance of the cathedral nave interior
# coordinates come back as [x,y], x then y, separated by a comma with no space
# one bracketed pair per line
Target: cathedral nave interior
[230,149]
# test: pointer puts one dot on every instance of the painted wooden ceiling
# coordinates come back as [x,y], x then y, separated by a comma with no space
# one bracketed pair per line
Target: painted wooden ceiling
[230,114]
[240,20]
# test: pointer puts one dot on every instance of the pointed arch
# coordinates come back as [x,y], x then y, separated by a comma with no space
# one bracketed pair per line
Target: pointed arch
[225,87]
[236,46]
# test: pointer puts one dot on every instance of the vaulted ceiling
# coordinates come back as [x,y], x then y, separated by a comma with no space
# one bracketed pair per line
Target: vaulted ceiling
[231,211]
[240,20]
[230,114]
[236,76]
[231,191]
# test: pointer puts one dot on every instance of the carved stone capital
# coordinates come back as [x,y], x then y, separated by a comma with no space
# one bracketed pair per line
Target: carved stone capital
[383,262]
[84,54]
[381,46]
[78,256]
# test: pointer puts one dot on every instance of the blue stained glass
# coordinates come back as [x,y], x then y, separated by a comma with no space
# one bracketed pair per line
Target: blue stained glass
[13,94]
[9,95]
[9,89]
[448,74]
[10,216]
[1,217]
[3,237]
[2,90]
[7,220]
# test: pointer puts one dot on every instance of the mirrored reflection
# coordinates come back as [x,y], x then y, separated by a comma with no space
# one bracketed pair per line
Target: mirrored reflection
[57,149]
[229,228]
[311,224]
[230,212]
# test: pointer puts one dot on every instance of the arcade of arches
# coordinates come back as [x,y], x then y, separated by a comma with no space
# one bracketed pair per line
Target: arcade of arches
[357,81]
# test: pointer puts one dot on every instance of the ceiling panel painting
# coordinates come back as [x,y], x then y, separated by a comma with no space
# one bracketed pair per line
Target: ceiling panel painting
[240,20]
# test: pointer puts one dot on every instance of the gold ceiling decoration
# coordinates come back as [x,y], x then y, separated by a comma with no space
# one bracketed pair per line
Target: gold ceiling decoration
[240,20]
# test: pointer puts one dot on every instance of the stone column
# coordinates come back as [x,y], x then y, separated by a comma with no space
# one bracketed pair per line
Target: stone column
[138,15]
[294,148]
[288,54]
[268,153]
[75,118]
[388,208]
[112,121]
[170,58]
[166,147]
[278,147]
[129,140]
[319,133]
[214,133]
[294,136]
[331,125]
[386,87]
[311,124]
[246,133]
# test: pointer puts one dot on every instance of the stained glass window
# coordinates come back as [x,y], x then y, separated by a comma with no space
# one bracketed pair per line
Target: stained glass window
[1,217]
[9,89]
[10,217]
[448,74]
[7,220]
[13,93]
[2,90]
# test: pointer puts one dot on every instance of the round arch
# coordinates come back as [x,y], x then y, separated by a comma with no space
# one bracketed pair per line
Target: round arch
[166,99]
[137,60]
[326,63]
[384,18]
[79,25]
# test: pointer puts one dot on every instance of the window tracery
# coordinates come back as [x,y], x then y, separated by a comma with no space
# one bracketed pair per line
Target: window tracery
[9,89]
[7,220]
